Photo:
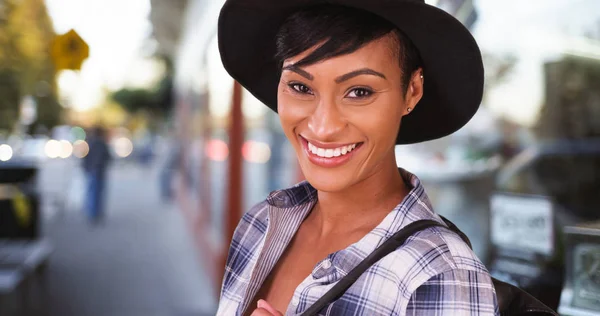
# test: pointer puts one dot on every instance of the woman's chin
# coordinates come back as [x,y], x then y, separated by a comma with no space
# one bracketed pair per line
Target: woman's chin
[327,182]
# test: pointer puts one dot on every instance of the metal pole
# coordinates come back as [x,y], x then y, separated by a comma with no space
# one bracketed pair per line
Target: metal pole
[205,174]
[234,195]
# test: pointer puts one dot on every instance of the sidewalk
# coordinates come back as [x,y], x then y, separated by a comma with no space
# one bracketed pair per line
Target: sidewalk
[141,262]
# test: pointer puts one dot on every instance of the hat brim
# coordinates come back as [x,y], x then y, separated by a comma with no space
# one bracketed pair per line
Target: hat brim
[453,67]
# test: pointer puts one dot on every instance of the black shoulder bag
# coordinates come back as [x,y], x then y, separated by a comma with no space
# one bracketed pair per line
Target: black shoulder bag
[511,300]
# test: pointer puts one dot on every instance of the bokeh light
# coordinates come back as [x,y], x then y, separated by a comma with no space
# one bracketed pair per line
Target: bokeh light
[66,149]
[6,152]
[256,152]
[123,147]
[81,148]
[53,148]
[217,150]
[78,133]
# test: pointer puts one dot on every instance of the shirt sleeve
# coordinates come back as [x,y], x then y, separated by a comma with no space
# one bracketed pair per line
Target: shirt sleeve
[455,292]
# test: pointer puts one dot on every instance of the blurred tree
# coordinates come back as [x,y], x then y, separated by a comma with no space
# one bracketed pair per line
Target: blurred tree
[9,98]
[134,100]
[155,102]
[25,66]
[9,85]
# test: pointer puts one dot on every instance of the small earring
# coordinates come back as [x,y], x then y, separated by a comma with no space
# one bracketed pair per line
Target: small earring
[408,110]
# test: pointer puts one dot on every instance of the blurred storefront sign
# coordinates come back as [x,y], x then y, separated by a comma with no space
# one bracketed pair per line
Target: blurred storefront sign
[522,222]
[581,293]
[69,51]
[523,236]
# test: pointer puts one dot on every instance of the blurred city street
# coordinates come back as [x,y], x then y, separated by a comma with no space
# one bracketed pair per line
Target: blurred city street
[143,110]
[140,261]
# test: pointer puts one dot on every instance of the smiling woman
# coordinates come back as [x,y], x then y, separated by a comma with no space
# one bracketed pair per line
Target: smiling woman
[347,80]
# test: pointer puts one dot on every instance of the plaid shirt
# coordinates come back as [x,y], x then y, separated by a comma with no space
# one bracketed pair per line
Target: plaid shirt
[433,273]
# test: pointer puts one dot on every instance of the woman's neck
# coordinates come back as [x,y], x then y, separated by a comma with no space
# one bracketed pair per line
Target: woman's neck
[362,205]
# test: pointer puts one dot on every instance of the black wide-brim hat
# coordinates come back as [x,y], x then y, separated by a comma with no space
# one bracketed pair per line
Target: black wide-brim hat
[452,63]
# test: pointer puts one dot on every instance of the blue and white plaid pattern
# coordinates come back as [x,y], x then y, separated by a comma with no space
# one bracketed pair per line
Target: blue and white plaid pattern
[433,273]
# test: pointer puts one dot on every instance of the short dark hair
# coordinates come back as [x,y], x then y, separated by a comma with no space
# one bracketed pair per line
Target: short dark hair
[341,30]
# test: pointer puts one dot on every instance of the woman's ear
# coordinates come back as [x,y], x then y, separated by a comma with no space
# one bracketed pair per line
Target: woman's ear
[414,92]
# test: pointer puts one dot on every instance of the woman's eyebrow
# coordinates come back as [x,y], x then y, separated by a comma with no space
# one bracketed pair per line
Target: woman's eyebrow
[363,71]
[299,71]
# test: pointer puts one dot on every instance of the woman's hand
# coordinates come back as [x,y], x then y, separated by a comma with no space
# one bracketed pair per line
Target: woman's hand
[265,309]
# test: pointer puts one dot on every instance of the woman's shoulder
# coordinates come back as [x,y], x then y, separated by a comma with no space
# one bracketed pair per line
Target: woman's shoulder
[443,271]
[457,253]
[256,216]
[430,252]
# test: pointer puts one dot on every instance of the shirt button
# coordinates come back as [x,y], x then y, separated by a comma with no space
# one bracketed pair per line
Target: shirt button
[326,264]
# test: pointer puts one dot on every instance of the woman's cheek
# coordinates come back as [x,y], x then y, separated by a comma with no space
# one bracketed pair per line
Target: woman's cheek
[292,111]
[378,121]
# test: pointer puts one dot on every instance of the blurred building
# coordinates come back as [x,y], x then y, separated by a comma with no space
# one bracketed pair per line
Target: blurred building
[166,17]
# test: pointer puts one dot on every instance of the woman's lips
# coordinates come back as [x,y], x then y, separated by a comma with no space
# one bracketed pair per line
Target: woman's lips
[329,162]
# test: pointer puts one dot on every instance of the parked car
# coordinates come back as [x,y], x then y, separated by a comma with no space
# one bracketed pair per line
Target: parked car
[548,186]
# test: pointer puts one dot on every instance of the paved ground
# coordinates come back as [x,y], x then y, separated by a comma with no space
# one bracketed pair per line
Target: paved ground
[141,262]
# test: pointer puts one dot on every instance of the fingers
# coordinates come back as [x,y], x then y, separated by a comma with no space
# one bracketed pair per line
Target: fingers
[261,312]
[265,309]
[264,304]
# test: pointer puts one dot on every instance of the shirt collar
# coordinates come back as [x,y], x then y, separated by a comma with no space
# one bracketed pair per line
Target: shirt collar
[301,193]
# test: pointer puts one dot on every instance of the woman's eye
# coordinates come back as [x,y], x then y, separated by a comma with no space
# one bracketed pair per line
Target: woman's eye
[359,93]
[300,88]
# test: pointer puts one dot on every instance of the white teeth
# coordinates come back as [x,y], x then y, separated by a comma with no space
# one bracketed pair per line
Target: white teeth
[331,152]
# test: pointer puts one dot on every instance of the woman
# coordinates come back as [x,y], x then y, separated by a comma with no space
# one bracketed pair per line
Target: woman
[350,79]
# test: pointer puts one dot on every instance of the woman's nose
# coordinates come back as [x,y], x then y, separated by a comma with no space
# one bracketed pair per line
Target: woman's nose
[326,121]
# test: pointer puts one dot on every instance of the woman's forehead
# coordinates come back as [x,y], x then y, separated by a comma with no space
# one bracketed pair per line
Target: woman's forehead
[380,54]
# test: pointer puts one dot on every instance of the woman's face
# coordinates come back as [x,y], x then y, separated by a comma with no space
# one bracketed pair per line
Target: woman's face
[342,114]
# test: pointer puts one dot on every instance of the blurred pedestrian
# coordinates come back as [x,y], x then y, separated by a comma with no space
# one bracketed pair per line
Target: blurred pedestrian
[95,166]
[169,169]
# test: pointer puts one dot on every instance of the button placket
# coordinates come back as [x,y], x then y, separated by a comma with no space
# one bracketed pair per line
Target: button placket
[324,271]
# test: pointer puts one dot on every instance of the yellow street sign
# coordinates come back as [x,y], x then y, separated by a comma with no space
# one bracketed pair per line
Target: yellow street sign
[68,51]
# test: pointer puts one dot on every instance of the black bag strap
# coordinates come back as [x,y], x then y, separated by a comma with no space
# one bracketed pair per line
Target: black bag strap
[397,240]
